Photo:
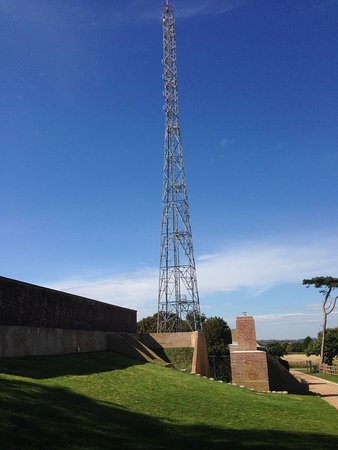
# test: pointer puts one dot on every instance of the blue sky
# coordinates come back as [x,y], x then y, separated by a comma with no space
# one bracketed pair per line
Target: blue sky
[82,147]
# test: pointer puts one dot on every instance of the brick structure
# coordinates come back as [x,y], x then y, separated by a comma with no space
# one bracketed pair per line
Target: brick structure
[23,304]
[246,333]
[248,365]
[254,368]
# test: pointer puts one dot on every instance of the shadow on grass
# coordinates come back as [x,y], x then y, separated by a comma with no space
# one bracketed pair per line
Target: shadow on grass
[41,367]
[34,416]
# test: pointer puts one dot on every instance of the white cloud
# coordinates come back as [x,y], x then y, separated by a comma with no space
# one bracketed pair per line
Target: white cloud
[225,142]
[313,306]
[56,18]
[291,325]
[36,8]
[294,316]
[34,11]
[256,266]
[206,257]
[136,11]
[206,7]
[262,265]
[136,290]
[323,4]
[287,317]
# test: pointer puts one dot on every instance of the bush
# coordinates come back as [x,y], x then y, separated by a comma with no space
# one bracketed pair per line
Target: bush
[276,349]
[331,345]
[148,324]
[217,335]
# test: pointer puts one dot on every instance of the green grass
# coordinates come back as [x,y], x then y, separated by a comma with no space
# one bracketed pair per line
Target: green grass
[302,369]
[324,376]
[102,401]
[181,358]
[327,377]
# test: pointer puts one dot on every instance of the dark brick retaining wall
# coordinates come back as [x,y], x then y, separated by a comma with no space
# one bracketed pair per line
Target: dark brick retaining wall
[23,304]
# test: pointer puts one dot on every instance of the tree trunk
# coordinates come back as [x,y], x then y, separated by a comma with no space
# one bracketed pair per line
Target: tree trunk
[322,348]
[325,312]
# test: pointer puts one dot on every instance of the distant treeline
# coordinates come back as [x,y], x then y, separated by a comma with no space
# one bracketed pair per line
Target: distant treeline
[283,347]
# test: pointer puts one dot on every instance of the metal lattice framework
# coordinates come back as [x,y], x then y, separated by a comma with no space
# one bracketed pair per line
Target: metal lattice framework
[178,295]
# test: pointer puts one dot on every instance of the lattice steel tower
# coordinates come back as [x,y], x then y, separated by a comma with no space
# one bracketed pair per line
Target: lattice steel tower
[178,295]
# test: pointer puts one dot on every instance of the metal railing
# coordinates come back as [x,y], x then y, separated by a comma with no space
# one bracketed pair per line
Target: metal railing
[220,367]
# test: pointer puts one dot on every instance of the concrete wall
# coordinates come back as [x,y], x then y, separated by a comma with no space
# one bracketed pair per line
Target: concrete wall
[200,361]
[17,341]
[27,305]
[193,339]
[175,340]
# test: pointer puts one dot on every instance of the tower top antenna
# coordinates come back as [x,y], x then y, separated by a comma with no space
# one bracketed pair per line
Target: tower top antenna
[166,5]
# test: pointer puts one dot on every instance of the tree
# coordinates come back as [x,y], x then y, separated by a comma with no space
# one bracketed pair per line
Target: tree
[148,324]
[188,323]
[306,343]
[328,284]
[276,349]
[216,330]
[331,345]
[293,347]
[217,334]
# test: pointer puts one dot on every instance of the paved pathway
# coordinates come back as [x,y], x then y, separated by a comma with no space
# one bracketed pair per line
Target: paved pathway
[327,390]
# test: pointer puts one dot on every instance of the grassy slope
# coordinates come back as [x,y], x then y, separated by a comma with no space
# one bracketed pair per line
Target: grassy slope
[104,401]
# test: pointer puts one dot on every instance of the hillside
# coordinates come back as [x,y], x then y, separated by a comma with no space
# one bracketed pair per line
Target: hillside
[105,401]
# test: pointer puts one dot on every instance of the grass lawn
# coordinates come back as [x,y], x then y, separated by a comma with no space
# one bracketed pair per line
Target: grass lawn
[302,369]
[181,358]
[104,401]
[327,377]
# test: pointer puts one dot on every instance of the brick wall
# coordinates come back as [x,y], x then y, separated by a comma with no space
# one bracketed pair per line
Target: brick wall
[23,304]
[246,333]
[249,368]
[254,368]
[248,365]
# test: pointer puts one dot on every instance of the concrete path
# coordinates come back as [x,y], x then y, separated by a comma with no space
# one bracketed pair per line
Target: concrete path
[327,390]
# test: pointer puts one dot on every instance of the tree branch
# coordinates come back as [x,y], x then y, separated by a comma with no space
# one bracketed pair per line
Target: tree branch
[332,306]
